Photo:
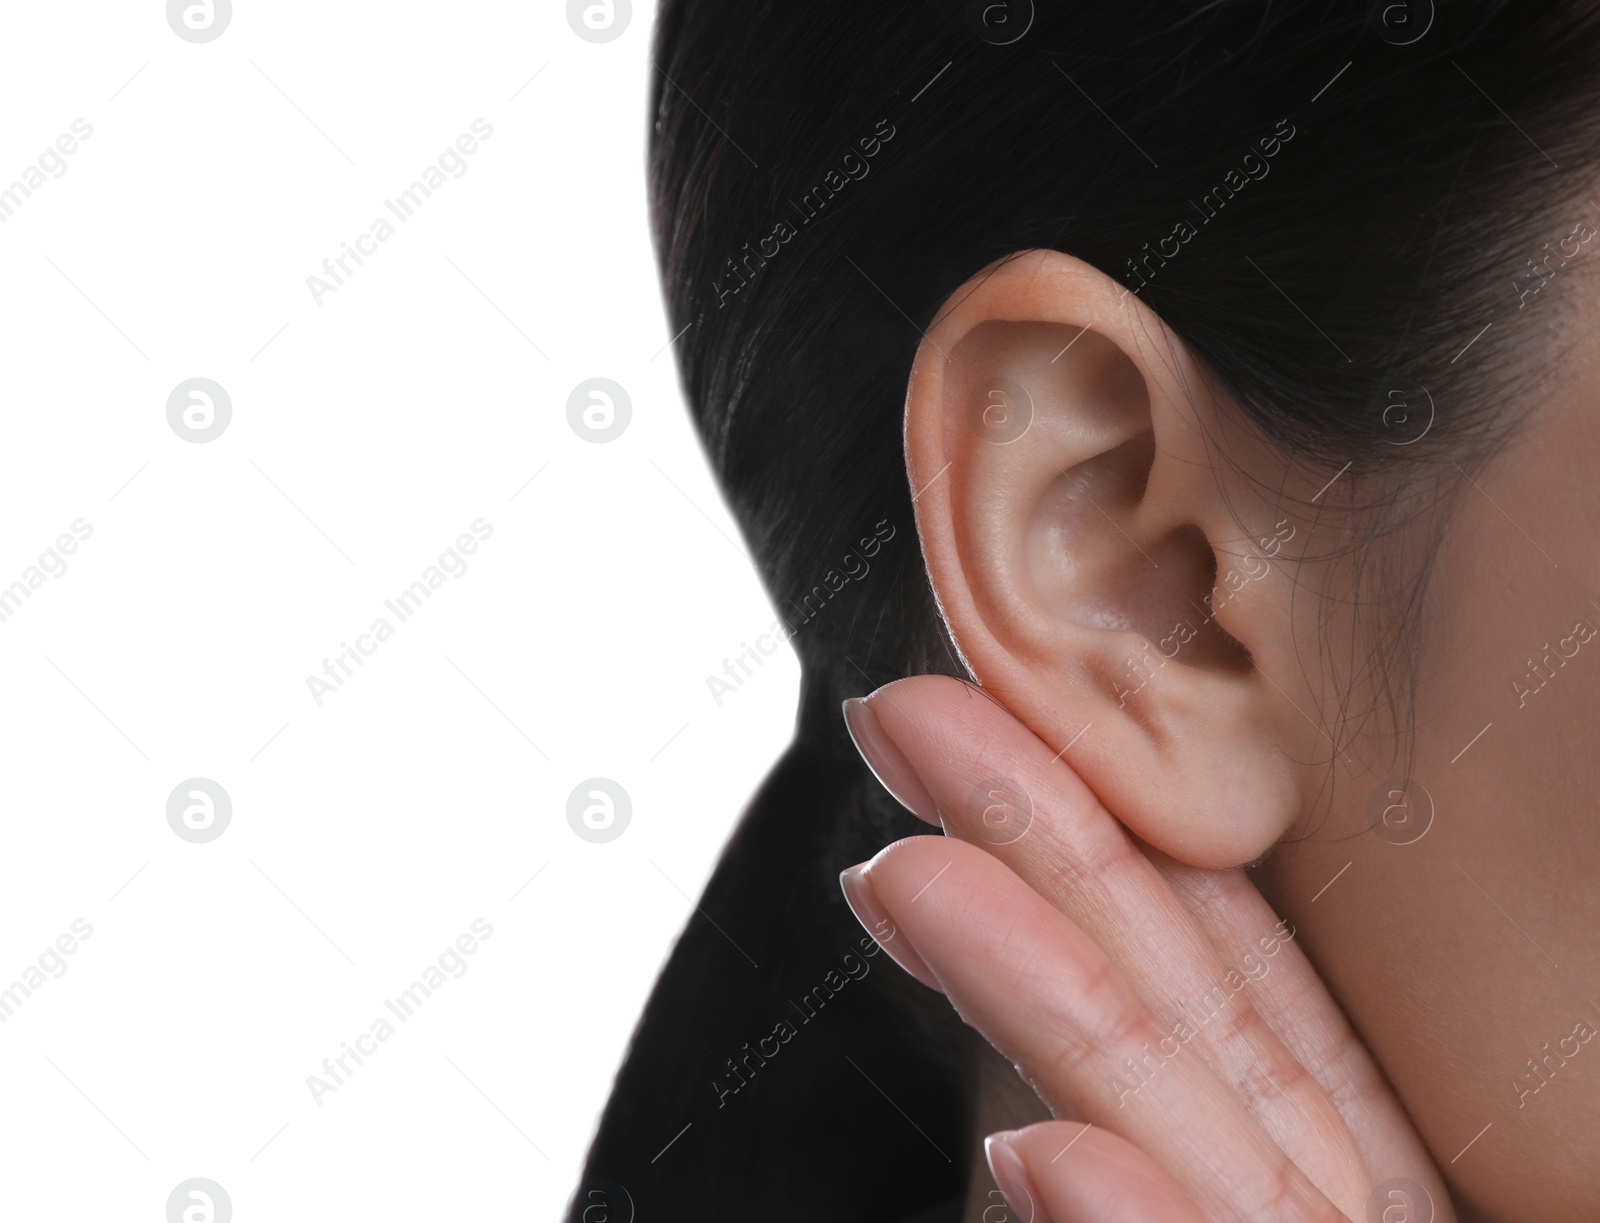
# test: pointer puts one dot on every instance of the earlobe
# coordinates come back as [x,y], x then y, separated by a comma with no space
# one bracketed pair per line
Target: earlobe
[1090,565]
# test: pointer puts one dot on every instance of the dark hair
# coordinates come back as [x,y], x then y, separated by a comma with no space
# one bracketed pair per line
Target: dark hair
[1366,188]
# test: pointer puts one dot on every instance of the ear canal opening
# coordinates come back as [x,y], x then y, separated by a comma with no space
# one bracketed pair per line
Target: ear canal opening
[1225,650]
[1167,590]
[1171,598]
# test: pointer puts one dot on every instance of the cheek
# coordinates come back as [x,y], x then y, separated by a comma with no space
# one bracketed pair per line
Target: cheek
[1461,944]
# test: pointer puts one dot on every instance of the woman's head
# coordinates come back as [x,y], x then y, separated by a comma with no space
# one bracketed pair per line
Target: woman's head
[1230,363]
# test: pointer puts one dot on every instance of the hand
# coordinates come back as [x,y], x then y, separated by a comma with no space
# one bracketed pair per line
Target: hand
[1209,1074]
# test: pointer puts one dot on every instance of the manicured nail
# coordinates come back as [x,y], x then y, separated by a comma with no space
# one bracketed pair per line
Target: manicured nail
[887,762]
[1011,1175]
[869,911]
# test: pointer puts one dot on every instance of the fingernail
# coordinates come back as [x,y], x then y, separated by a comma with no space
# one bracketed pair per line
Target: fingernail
[869,911]
[1011,1175]
[887,762]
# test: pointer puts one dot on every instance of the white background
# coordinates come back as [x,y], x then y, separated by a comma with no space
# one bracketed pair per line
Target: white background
[368,431]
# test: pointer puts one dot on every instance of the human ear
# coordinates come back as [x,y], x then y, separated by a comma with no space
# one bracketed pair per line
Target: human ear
[1103,571]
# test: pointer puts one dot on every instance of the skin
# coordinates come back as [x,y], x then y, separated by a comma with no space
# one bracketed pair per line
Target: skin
[1459,956]
[1430,958]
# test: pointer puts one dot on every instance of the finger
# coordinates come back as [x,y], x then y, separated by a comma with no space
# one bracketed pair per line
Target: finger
[1296,1005]
[1062,1172]
[996,784]
[1041,991]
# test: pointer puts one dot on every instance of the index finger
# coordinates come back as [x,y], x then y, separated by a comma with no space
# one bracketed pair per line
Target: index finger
[995,783]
